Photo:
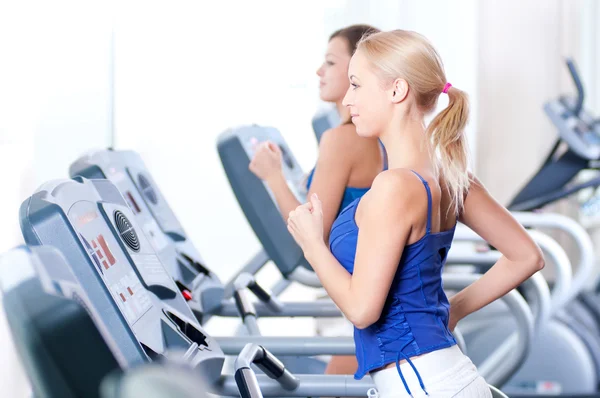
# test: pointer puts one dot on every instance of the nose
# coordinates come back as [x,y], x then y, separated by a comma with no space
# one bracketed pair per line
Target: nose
[347,101]
[320,71]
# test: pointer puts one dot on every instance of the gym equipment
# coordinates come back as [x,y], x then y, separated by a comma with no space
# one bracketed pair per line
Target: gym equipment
[155,381]
[106,259]
[129,173]
[54,336]
[573,310]
[202,288]
[40,273]
[579,139]
[235,147]
[570,367]
[76,201]
[89,221]
[73,338]
[72,195]
[206,294]
[576,149]
[37,275]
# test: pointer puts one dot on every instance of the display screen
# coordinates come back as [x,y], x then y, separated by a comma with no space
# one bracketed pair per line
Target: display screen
[110,261]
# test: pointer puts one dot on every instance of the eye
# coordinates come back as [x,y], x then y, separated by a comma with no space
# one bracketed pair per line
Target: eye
[354,86]
[329,63]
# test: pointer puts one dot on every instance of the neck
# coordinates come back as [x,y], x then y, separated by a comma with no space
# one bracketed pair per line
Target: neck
[406,144]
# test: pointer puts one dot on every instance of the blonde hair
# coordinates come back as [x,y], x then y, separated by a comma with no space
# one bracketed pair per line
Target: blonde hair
[410,56]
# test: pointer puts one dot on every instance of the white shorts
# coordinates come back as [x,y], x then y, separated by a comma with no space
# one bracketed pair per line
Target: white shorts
[445,373]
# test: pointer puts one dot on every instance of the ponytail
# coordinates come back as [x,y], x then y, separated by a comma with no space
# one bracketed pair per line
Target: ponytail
[446,131]
[411,56]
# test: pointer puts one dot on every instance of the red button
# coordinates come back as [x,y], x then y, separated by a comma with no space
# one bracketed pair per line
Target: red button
[186,294]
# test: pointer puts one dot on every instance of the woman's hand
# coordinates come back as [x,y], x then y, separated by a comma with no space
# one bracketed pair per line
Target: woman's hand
[266,163]
[306,224]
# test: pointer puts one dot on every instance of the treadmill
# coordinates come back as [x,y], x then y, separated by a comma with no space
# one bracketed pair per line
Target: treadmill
[577,148]
[108,276]
[206,294]
[77,336]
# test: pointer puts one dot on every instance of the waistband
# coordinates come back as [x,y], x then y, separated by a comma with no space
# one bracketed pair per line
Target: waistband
[416,374]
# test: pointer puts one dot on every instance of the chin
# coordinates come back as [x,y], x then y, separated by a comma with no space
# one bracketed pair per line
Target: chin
[327,98]
[364,132]
[360,131]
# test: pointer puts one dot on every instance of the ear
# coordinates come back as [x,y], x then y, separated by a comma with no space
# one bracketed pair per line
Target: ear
[399,91]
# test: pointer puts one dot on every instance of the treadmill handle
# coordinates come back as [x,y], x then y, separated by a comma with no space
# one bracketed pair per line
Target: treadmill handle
[245,377]
[246,280]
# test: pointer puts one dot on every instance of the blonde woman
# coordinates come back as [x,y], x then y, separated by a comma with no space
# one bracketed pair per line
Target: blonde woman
[387,249]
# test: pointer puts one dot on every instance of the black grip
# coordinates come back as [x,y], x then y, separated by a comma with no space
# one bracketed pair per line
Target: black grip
[245,382]
[259,292]
[269,364]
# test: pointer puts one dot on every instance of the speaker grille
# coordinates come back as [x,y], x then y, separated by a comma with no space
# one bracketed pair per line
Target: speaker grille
[126,231]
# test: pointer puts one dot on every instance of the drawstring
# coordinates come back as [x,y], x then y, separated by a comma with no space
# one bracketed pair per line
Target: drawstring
[400,353]
[401,376]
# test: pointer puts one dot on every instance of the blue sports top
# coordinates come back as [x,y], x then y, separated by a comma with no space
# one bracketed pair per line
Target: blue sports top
[350,193]
[414,319]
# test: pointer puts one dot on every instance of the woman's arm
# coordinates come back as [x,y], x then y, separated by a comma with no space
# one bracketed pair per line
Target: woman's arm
[521,257]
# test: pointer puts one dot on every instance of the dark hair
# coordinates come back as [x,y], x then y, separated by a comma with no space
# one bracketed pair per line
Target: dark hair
[353,34]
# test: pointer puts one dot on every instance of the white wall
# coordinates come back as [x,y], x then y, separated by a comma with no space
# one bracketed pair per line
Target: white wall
[55,95]
[589,56]
[522,46]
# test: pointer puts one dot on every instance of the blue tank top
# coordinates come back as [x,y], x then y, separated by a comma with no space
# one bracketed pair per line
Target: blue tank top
[414,319]
[350,193]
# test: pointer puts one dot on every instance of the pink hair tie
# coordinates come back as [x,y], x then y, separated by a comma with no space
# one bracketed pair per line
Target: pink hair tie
[446,88]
